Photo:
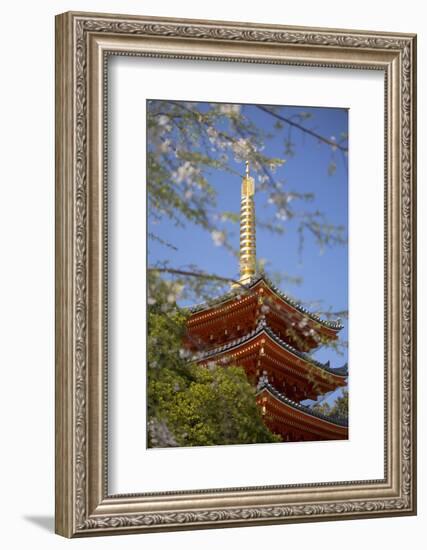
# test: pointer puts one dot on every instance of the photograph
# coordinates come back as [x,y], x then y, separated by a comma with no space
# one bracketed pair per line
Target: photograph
[247,273]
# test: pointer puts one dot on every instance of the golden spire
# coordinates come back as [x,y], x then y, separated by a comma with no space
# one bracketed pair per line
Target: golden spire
[247,229]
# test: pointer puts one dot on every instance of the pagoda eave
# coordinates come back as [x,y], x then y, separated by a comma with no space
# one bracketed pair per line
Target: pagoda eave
[294,422]
[265,349]
[239,311]
[215,307]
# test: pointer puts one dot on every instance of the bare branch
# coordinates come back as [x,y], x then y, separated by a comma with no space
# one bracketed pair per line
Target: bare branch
[303,128]
[195,274]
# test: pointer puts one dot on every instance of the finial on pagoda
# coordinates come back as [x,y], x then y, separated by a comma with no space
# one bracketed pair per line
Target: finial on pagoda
[247,229]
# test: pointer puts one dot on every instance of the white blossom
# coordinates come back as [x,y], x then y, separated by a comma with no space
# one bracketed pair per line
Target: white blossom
[163,123]
[303,322]
[212,132]
[282,214]
[229,109]
[165,146]
[242,149]
[215,138]
[159,434]
[185,172]
[218,237]
[170,298]
[175,292]
[162,120]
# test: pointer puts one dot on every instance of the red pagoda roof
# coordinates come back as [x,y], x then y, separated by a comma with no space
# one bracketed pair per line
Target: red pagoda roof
[266,386]
[235,292]
[263,328]
[295,422]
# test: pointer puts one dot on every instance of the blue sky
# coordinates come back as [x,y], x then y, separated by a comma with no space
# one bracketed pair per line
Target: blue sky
[324,273]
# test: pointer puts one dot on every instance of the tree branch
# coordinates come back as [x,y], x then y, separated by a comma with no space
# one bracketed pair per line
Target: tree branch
[195,274]
[303,129]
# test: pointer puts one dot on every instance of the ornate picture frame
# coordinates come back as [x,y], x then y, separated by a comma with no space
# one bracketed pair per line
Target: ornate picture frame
[84,42]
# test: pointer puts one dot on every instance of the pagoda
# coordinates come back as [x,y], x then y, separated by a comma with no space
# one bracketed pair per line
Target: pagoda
[258,327]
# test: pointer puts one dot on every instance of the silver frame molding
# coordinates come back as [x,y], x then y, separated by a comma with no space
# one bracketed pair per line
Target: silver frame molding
[83,43]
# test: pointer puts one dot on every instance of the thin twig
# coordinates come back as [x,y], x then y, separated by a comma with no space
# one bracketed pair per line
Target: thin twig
[195,274]
[303,129]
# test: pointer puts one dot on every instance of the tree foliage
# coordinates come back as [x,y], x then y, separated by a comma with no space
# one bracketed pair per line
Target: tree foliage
[338,410]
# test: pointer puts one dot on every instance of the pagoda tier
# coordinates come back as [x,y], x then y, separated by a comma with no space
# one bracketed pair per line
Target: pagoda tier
[238,313]
[292,372]
[294,422]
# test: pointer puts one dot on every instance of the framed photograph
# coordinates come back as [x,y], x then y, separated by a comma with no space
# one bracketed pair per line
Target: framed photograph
[235,274]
